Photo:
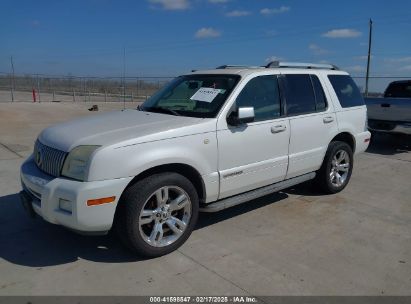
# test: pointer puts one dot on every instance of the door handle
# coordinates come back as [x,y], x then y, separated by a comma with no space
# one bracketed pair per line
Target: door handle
[278,129]
[328,119]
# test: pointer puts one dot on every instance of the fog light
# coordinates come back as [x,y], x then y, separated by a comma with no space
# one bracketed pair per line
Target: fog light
[65,205]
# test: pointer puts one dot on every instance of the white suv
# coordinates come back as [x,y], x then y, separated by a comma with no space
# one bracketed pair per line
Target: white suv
[207,141]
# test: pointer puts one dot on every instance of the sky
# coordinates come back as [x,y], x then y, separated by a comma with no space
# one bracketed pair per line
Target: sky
[171,37]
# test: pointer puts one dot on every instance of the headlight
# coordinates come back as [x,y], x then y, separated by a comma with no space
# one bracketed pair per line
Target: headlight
[77,161]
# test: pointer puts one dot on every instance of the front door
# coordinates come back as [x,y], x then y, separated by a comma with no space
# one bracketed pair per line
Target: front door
[255,154]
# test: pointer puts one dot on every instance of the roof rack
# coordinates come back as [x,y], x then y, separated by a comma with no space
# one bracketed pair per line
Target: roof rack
[301,65]
[229,66]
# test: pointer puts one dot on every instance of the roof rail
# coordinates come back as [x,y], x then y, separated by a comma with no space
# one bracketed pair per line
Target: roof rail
[301,65]
[229,66]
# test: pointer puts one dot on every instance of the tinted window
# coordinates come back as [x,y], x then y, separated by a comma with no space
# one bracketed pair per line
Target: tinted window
[321,100]
[299,94]
[261,93]
[346,90]
[399,90]
[181,95]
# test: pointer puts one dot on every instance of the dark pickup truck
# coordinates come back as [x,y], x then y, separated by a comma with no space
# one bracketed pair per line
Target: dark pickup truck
[391,114]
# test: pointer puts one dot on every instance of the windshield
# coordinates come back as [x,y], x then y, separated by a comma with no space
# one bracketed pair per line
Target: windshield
[192,95]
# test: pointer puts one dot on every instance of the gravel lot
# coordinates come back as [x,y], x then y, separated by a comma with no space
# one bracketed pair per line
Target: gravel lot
[296,242]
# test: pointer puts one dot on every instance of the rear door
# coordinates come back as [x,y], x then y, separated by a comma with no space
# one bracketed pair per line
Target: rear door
[312,121]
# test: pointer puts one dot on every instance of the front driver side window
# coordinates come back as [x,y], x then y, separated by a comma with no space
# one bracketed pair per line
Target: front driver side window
[262,93]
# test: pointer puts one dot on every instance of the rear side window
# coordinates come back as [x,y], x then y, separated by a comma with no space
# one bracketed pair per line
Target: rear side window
[299,94]
[321,100]
[346,90]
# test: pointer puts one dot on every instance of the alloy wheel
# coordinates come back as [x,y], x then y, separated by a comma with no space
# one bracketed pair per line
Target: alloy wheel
[165,216]
[340,167]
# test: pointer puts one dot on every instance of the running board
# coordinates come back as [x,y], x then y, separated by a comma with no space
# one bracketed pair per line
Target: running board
[253,194]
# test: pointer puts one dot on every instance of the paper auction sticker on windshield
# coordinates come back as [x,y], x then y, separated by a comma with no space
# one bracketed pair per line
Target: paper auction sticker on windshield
[205,94]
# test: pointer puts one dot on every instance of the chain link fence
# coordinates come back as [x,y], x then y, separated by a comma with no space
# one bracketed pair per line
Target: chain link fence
[45,88]
[377,84]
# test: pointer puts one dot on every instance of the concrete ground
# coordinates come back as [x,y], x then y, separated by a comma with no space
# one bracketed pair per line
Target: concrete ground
[296,242]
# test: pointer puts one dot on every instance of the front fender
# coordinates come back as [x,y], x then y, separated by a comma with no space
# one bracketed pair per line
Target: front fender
[198,151]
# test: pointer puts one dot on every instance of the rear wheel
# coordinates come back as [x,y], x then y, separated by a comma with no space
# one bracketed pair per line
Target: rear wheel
[336,169]
[157,214]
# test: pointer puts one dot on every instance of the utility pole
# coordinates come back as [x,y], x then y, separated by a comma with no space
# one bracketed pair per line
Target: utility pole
[368,58]
[12,79]
[124,78]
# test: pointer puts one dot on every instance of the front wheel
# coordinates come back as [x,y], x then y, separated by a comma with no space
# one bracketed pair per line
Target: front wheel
[157,214]
[336,169]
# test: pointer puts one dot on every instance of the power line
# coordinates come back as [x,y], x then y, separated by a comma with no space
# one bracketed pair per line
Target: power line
[231,39]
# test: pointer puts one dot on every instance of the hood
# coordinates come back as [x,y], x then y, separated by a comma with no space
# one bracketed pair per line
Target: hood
[121,127]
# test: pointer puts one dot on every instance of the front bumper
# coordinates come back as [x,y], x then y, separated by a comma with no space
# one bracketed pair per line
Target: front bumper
[389,126]
[44,194]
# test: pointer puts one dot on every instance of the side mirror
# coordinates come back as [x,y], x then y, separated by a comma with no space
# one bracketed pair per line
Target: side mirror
[241,116]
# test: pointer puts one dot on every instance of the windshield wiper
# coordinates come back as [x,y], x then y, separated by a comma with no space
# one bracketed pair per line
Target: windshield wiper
[162,110]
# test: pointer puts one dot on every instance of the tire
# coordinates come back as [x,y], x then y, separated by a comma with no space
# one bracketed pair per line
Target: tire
[170,203]
[376,136]
[373,135]
[338,155]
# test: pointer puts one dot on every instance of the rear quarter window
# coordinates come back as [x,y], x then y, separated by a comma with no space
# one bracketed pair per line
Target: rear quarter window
[347,91]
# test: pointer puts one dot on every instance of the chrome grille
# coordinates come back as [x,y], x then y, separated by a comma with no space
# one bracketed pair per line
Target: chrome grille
[48,159]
